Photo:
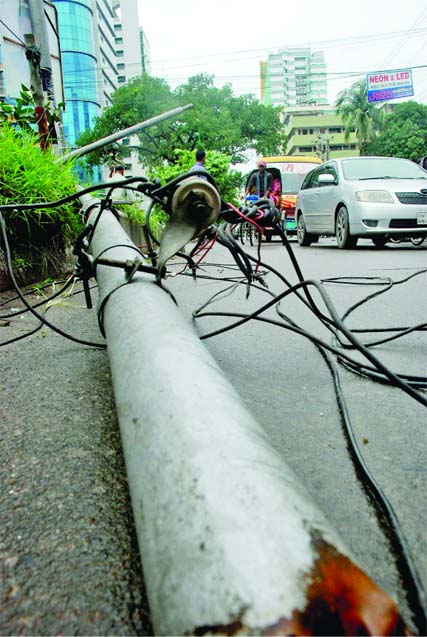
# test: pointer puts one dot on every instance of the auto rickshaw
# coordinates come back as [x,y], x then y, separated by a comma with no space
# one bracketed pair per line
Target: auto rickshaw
[276,196]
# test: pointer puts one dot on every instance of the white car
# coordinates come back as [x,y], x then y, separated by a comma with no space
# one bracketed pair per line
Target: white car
[380,198]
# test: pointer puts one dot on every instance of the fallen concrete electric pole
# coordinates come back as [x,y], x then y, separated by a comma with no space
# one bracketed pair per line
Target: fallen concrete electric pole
[230,541]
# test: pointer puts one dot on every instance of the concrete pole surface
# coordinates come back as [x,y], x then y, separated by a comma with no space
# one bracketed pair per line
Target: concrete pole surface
[153,121]
[230,541]
[38,23]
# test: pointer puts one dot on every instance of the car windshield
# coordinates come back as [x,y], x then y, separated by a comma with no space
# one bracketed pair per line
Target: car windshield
[382,168]
[293,174]
[291,183]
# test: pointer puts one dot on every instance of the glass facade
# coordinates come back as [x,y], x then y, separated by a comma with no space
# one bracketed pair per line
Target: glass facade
[79,67]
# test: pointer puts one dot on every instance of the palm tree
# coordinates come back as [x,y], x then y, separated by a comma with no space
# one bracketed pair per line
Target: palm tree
[359,115]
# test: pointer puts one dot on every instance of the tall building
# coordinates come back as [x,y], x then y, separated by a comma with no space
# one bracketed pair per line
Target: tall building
[131,44]
[145,51]
[88,60]
[132,51]
[294,77]
[101,51]
[92,47]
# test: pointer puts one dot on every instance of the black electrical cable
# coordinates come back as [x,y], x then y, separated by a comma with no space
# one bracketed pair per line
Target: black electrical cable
[407,571]
[404,562]
[23,299]
[328,323]
[395,380]
[35,288]
[402,330]
[22,336]
[419,383]
[237,252]
[42,302]
[72,197]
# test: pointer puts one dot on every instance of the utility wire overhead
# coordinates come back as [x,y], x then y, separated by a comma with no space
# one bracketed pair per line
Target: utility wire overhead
[348,41]
[405,38]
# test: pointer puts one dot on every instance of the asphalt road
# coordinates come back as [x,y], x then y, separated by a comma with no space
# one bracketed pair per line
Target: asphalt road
[68,556]
[287,386]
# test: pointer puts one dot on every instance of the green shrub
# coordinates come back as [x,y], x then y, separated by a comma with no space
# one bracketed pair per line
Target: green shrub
[229,182]
[28,175]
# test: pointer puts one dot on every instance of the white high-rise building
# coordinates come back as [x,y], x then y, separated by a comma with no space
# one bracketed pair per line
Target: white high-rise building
[131,44]
[294,77]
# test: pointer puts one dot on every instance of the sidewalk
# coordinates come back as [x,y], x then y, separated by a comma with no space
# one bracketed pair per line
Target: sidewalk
[69,561]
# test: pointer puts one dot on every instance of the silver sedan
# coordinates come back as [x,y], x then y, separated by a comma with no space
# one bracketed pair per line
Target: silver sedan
[380,198]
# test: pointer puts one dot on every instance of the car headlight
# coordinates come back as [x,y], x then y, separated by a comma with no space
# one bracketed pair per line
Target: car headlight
[374,196]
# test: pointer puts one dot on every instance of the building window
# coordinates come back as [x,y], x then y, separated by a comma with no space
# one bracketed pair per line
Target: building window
[120,66]
[118,40]
[117,27]
[120,54]
[121,79]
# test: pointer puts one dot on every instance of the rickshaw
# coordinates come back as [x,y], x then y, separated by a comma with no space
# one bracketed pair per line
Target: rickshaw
[276,197]
[293,169]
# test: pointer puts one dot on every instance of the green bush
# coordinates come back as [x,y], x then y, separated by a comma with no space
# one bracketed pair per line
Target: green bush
[27,175]
[229,182]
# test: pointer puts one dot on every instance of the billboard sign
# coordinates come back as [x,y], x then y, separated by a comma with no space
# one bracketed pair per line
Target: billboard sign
[389,85]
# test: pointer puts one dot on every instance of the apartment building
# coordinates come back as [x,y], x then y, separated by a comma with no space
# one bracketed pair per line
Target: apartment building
[132,48]
[294,77]
[317,130]
[133,59]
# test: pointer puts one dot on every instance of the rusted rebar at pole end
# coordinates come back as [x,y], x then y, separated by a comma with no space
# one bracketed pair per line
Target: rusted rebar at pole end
[340,600]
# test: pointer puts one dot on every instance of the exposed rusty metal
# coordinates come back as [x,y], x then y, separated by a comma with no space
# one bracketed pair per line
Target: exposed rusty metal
[341,600]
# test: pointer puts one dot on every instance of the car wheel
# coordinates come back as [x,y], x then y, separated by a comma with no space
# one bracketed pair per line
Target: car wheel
[379,242]
[417,241]
[304,237]
[342,230]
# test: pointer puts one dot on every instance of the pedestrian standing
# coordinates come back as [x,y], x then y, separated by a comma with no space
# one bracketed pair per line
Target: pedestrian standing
[200,163]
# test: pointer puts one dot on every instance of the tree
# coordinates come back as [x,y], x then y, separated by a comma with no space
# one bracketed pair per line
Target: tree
[218,120]
[227,123]
[142,98]
[404,133]
[359,115]
[217,164]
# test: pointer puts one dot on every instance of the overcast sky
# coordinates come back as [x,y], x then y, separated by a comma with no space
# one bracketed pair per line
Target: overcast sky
[228,38]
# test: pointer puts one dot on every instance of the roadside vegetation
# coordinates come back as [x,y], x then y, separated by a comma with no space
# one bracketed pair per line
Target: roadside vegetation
[218,121]
[224,125]
[389,130]
[39,238]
